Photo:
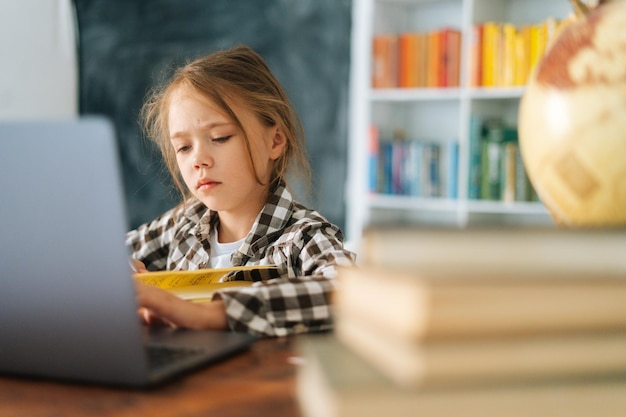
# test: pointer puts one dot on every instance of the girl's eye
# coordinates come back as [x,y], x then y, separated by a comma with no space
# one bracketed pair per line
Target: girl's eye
[182,149]
[221,139]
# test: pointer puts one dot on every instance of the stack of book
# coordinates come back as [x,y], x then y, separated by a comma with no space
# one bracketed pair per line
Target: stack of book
[475,322]
[417,59]
[504,55]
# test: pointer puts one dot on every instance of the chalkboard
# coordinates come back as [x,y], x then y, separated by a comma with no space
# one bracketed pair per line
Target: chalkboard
[125,46]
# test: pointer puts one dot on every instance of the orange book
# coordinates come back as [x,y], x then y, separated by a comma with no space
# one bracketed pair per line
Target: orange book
[407,60]
[451,46]
[422,58]
[434,59]
[385,61]
[476,58]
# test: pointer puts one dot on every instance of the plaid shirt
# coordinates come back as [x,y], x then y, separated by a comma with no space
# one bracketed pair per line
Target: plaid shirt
[304,246]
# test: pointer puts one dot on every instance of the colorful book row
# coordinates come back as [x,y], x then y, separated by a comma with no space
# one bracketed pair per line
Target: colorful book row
[504,55]
[414,168]
[496,167]
[417,59]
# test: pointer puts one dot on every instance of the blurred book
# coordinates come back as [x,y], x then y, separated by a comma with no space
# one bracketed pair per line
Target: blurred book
[333,382]
[483,360]
[499,252]
[479,321]
[423,306]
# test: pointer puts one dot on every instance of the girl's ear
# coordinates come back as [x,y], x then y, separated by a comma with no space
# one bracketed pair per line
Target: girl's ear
[279,144]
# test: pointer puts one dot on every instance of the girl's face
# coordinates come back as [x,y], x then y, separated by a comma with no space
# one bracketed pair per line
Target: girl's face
[212,156]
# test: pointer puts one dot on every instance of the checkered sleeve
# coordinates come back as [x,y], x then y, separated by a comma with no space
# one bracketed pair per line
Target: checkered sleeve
[301,301]
[280,306]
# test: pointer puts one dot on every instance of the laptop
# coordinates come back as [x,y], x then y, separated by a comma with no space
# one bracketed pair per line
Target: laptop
[67,301]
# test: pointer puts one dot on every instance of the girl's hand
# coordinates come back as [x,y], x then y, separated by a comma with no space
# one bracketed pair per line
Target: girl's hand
[137,266]
[159,307]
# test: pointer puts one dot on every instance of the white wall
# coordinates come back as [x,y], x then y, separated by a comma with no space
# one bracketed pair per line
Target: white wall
[38,66]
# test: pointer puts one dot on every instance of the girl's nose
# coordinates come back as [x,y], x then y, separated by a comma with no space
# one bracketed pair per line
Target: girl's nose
[202,160]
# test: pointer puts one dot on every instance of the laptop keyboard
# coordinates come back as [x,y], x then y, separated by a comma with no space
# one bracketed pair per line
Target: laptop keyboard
[161,355]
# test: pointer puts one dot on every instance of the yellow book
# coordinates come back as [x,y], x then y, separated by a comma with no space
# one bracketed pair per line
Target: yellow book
[509,64]
[538,41]
[491,54]
[199,285]
[522,52]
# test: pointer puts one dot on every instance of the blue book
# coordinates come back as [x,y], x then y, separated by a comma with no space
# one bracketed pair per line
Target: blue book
[452,169]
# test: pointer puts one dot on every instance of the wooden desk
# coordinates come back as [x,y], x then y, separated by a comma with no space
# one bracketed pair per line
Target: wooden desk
[258,382]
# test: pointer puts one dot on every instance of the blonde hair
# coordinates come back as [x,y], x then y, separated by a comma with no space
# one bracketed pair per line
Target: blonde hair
[238,74]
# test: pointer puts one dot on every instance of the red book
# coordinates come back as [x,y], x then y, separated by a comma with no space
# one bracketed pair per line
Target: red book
[451,57]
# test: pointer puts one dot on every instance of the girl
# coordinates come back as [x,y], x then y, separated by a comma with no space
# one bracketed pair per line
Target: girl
[228,133]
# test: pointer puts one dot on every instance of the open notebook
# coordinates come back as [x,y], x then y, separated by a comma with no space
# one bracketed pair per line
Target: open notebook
[67,302]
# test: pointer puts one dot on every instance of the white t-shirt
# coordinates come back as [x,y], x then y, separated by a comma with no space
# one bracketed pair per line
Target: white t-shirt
[220,252]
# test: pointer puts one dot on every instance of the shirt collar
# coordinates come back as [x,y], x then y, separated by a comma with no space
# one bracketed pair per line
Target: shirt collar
[273,218]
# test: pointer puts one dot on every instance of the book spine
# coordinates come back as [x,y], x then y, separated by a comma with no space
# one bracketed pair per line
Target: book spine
[385,181]
[416,149]
[537,44]
[421,41]
[434,44]
[476,56]
[452,57]
[490,54]
[522,55]
[508,171]
[452,169]
[407,70]
[509,64]
[373,159]
[475,157]
[492,160]
[522,183]
[396,167]
[434,170]
[385,61]
[442,56]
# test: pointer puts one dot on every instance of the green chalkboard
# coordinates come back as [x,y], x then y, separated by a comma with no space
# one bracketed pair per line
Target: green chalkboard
[124,46]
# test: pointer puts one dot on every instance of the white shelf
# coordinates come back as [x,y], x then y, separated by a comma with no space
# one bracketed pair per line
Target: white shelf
[495,93]
[440,114]
[399,202]
[415,94]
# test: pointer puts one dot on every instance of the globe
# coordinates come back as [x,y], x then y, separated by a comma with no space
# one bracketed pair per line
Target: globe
[572,121]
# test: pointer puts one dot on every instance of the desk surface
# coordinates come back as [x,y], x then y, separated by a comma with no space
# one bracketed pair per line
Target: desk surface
[258,382]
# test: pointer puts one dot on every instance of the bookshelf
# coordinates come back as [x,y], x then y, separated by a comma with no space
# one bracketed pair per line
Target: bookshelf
[441,115]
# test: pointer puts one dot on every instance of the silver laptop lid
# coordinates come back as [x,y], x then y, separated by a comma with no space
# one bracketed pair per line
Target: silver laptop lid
[67,307]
